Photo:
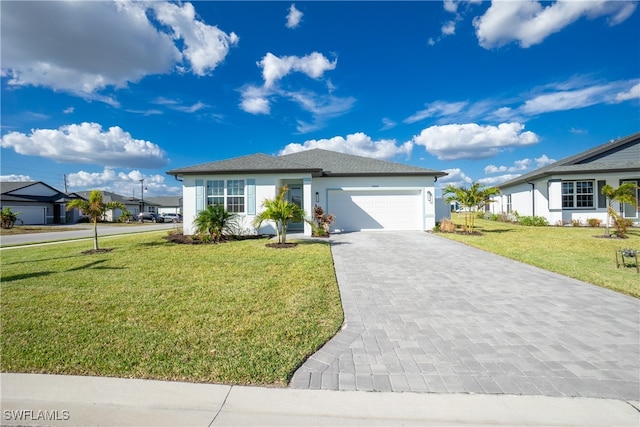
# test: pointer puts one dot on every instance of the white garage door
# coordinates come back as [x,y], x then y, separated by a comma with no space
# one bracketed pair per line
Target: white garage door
[30,215]
[376,210]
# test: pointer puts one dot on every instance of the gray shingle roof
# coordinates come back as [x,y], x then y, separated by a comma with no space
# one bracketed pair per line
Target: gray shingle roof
[318,162]
[592,160]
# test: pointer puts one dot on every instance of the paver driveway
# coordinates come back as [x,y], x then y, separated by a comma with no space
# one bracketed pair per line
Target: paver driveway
[426,314]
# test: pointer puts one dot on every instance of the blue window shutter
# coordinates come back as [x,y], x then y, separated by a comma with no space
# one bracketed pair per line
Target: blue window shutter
[199,195]
[251,197]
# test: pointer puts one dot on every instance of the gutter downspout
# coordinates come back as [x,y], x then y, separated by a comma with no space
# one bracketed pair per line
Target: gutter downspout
[533,197]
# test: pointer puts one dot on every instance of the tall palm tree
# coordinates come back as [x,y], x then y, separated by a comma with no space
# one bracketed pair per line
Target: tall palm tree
[214,221]
[94,208]
[625,194]
[281,212]
[470,199]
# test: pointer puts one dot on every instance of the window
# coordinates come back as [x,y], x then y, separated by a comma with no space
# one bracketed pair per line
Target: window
[577,194]
[215,192]
[235,195]
[508,207]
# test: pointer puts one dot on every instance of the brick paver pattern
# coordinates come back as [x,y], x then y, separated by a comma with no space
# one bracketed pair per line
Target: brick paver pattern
[425,314]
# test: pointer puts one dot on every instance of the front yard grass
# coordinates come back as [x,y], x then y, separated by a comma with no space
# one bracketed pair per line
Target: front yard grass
[235,313]
[571,251]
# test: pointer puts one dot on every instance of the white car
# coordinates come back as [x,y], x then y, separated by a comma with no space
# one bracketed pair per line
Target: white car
[172,217]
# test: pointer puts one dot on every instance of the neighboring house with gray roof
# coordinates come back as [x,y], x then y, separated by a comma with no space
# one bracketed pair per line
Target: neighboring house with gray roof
[362,193]
[133,205]
[166,204]
[570,189]
[36,203]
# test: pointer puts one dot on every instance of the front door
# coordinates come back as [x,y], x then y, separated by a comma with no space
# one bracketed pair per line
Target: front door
[294,195]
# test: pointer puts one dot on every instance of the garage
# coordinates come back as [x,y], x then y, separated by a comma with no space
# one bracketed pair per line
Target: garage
[361,210]
[30,215]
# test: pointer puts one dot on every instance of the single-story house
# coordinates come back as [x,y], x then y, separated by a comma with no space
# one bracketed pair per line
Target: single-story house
[165,204]
[570,189]
[36,203]
[362,193]
[132,204]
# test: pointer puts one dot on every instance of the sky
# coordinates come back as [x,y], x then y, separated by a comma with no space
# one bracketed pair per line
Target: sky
[100,95]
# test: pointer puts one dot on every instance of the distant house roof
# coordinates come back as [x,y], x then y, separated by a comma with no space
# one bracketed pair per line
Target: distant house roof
[108,196]
[317,162]
[165,201]
[18,191]
[620,155]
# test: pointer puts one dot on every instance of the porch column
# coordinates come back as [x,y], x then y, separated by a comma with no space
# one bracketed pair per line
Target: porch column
[307,201]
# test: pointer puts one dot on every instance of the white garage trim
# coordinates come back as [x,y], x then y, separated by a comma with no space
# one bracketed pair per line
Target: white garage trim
[376,208]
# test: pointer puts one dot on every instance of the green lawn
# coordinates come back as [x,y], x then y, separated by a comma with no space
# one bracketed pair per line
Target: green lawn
[572,251]
[236,312]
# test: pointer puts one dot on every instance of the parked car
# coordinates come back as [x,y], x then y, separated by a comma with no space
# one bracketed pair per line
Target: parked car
[172,217]
[149,216]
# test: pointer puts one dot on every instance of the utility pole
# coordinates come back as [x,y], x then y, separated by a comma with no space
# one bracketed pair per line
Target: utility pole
[142,193]
[64,176]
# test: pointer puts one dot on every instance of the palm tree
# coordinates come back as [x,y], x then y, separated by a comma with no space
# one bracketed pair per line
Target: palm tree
[281,212]
[94,208]
[625,194]
[214,221]
[470,199]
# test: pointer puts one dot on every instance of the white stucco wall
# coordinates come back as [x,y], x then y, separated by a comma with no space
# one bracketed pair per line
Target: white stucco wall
[548,198]
[267,185]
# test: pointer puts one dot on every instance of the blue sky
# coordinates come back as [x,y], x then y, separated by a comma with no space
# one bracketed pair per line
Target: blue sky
[108,93]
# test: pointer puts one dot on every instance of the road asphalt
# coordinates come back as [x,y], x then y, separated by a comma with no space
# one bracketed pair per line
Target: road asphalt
[58,400]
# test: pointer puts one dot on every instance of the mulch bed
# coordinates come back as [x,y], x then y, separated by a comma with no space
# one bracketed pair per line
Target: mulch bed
[281,245]
[195,240]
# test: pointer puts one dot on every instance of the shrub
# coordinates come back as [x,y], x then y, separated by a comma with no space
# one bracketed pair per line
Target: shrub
[8,218]
[576,222]
[447,226]
[533,221]
[320,222]
[621,225]
[593,222]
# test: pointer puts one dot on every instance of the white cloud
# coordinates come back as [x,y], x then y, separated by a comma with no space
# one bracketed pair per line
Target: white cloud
[206,45]
[633,93]
[85,47]
[388,123]
[87,143]
[293,17]
[255,104]
[68,110]
[257,100]
[275,68]
[497,180]
[518,165]
[543,161]
[357,143]
[455,177]
[124,184]
[448,28]
[529,22]
[473,141]
[15,178]
[437,109]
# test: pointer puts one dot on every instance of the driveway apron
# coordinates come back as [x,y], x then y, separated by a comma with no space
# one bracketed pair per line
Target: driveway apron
[426,314]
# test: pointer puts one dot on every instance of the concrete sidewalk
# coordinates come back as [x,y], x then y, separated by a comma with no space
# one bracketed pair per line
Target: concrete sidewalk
[32,399]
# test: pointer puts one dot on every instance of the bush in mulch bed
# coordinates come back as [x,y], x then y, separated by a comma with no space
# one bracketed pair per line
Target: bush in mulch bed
[197,240]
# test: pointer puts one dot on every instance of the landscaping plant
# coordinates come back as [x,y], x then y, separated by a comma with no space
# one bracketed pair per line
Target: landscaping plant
[624,194]
[471,199]
[8,218]
[320,222]
[214,222]
[281,212]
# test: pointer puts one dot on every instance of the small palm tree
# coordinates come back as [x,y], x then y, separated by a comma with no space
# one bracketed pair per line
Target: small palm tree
[470,199]
[94,208]
[214,222]
[281,212]
[8,218]
[625,194]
